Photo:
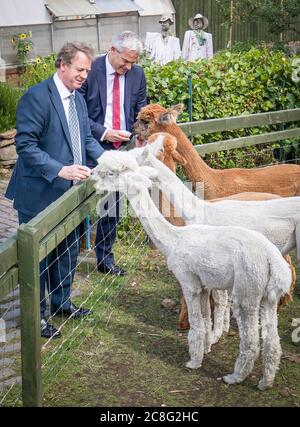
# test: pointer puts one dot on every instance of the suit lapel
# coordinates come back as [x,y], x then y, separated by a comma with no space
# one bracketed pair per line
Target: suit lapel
[57,103]
[80,115]
[127,95]
[101,79]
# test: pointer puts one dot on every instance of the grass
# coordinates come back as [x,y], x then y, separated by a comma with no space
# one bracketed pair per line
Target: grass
[129,353]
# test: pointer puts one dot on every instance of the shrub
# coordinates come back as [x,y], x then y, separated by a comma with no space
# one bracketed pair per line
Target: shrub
[39,71]
[230,84]
[9,98]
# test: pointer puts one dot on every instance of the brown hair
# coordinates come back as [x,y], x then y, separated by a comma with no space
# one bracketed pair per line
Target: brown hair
[69,50]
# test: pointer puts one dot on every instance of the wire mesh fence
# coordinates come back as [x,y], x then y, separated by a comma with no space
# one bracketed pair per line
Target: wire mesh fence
[96,291]
[91,289]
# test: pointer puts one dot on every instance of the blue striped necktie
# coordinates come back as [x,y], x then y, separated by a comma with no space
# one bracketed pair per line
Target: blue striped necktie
[74,130]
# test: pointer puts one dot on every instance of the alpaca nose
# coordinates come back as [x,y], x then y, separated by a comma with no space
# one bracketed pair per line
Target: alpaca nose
[93,175]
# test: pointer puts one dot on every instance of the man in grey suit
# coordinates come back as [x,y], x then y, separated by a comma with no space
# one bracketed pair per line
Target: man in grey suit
[116,86]
[54,142]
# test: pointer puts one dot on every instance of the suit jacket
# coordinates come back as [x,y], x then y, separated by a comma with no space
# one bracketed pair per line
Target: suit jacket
[94,92]
[44,146]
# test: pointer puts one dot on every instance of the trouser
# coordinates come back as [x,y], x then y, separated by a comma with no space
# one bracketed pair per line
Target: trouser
[57,271]
[107,229]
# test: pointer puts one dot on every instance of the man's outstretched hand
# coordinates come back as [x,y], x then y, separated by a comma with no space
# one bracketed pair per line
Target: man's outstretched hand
[74,172]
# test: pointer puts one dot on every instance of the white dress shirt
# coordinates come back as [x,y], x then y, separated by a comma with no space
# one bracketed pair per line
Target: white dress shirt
[110,75]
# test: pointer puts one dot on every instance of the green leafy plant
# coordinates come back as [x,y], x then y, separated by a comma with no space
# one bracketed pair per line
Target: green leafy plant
[23,44]
[230,84]
[9,97]
[41,69]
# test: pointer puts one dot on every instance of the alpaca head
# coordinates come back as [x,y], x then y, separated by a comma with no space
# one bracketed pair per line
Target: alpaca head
[119,171]
[155,118]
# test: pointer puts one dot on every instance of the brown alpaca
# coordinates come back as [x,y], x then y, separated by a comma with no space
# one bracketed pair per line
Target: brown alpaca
[170,156]
[283,180]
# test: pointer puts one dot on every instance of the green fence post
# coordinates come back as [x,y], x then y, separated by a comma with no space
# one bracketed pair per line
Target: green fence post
[29,279]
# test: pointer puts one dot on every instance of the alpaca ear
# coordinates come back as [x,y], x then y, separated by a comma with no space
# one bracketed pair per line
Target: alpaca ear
[176,110]
[165,118]
[179,108]
[170,116]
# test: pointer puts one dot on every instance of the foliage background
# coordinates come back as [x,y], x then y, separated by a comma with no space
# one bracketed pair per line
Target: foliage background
[244,80]
[9,97]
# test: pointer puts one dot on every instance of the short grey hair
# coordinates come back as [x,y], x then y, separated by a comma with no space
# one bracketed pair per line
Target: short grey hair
[69,50]
[127,40]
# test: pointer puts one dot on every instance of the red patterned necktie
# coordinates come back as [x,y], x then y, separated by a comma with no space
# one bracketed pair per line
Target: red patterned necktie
[116,108]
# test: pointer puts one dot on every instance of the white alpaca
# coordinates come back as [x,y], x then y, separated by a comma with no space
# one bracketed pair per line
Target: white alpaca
[202,258]
[278,219]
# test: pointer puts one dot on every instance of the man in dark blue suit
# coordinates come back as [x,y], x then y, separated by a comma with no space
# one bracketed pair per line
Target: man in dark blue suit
[53,143]
[115,91]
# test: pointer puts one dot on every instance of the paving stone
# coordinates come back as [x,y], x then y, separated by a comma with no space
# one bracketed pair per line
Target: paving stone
[8,216]
[6,373]
[5,361]
[12,324]
[10,382]
[11,314]
[13,335]
[9,305]
[10,348]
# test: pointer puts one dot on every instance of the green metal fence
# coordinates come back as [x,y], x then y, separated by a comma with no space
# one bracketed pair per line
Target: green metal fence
[20,255]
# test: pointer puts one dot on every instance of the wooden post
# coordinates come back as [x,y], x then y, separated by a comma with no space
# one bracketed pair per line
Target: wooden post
[230,41]
[29,279]
[282,11]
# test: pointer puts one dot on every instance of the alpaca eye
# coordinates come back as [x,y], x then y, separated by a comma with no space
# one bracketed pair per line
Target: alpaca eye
[110,174]
[144,123]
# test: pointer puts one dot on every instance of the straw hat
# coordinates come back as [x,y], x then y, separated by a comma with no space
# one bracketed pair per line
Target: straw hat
[198,16]
[166,18]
